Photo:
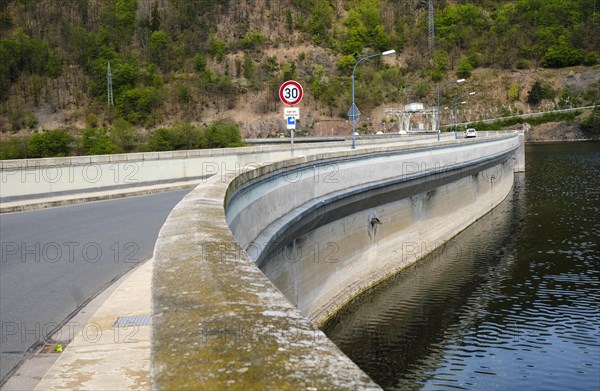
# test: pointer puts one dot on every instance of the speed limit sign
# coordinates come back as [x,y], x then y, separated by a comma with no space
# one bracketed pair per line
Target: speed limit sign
[290,92]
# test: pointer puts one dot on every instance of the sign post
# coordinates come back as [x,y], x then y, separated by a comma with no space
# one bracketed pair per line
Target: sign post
[290,94]
[291,125]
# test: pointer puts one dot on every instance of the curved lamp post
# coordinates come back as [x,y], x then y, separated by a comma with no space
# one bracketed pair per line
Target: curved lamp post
[455,104]
[354,110]
[439,92]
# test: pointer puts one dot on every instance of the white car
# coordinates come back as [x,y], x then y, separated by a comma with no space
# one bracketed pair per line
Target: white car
[470,133]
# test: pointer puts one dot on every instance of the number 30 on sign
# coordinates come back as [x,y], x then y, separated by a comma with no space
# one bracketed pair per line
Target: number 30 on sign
[290,92]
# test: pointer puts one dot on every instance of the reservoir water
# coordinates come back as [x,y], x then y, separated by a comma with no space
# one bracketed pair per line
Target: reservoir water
[511,303]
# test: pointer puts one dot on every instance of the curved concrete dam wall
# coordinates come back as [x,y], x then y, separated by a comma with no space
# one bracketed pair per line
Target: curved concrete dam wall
[322,240]
[323,228]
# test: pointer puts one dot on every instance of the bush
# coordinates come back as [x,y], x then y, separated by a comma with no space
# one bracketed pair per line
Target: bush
[216,48]
[137,104]
[54,143]
[562,55]
[223,135]
[96,141]
[590,59]
[464,68]
[182,135]
[252,40]
[13,148]
[591,123]
[123,135]
[346,63]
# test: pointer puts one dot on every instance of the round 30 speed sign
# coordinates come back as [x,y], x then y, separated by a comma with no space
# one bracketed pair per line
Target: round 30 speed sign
[290,92]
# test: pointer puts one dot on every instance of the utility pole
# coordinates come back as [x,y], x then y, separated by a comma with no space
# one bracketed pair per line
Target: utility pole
[110,88]
[431,20]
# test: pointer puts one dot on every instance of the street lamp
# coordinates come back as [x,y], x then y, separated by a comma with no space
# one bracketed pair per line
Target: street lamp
[455,105]
[354,113]
[439,91]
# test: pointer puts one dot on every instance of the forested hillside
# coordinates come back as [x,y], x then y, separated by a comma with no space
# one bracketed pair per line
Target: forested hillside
[200,61]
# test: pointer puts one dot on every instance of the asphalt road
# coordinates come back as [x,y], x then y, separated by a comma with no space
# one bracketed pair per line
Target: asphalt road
[53,261]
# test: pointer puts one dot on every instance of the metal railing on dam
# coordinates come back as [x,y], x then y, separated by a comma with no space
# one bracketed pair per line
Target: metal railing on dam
[322,227]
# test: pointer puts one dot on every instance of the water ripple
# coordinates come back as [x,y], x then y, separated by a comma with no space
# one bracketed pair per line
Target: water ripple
[522,311]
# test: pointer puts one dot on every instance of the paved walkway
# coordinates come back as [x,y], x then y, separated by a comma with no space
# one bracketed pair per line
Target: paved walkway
[101,355]
[105,355]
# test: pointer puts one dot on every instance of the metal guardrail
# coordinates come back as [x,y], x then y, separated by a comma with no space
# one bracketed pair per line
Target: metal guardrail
[528,115]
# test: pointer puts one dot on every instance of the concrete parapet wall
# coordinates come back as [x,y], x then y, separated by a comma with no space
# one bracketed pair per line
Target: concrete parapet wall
[39,178]
[219,322]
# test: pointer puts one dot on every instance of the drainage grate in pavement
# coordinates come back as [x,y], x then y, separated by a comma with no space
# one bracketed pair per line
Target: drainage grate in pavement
[134,320]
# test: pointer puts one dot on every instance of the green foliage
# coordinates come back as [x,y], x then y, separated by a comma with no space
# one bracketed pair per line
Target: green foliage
[289,71]
[457,26]
[97,141]
[514,92]
[248,66]
[160,43]
[118,18]
[441,63]
[562,54]
[91,120]
[320,20]
[25,54]
[591,123]
[540,90]
[346,63]
[182,135]
[123,135]
[592,93]
[464,68]
[13,148]
[364,28]
[32,121]
[252,40]
[222,135]
[590,59]
[50,144]
[199,62]
[422,89]
[136,104]
[216,48]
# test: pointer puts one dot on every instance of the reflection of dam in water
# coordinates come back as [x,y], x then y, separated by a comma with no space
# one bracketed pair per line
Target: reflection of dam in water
[435,289]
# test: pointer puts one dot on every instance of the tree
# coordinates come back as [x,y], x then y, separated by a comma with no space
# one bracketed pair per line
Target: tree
[159,48]
[464,68]
[539,91]
[320,20]
[562,54]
